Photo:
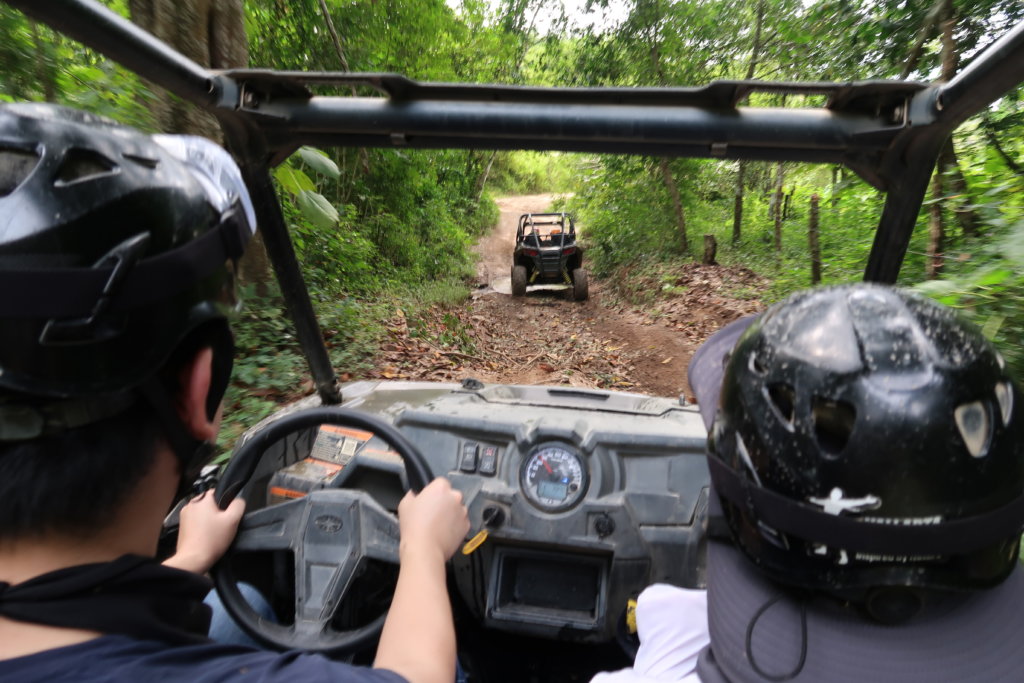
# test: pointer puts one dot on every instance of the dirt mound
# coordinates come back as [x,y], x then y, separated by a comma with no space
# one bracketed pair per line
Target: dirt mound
[701,299]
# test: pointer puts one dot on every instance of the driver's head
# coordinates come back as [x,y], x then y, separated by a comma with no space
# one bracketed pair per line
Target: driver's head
[869,443]
[116,258]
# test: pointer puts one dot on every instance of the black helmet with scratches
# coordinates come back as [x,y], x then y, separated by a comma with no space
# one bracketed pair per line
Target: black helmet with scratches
[869,438]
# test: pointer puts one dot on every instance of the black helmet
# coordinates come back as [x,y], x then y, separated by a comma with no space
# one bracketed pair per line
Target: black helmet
[869,438]
[114,246]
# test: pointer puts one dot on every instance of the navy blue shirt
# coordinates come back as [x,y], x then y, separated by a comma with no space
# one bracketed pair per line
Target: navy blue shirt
[121,659]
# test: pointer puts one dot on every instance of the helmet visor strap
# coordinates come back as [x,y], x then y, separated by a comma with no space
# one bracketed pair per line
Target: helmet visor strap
[945,537]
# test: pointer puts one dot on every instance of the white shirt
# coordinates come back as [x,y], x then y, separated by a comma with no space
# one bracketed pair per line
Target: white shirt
[673,627]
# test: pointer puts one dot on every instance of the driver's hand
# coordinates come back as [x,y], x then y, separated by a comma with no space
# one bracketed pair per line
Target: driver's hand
[435,518]
[205,532]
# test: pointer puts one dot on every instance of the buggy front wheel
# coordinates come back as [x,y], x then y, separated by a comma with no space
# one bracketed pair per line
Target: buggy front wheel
[580,288]
[518,280]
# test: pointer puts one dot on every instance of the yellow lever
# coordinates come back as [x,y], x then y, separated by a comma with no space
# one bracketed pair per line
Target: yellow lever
[631,616]
[475,542]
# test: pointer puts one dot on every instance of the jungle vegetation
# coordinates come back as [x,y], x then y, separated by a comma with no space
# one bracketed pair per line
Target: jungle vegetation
[378,226]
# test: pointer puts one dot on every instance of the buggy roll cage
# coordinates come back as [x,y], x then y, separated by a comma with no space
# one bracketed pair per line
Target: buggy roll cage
[568,227]
[888,132]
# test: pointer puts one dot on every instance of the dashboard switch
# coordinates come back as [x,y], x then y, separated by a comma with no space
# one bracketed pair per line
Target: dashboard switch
[468,461]
[489,460]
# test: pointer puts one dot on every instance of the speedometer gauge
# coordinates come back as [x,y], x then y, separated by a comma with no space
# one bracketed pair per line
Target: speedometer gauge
[553,477]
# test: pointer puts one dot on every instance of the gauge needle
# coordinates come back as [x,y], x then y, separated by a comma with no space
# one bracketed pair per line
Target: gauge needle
[546,465]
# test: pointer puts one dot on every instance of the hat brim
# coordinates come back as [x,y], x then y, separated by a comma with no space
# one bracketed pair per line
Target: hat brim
[707,366]
[759,628]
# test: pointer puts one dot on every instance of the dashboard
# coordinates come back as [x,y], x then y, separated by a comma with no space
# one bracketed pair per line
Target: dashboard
[577,498]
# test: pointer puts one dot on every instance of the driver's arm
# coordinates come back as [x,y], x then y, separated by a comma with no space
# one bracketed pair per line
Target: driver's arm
[205,532]
[418,640]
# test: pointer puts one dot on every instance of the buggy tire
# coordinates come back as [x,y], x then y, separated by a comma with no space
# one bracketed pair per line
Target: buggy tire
[518,280]
[580,287]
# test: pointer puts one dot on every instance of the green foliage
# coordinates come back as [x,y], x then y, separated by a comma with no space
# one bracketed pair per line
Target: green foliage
[523,172]
[269,366]
[41,65]
[375,226]
[626,210]
[988,286]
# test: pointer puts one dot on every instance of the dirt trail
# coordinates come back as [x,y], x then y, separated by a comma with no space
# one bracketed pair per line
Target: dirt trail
[546,338]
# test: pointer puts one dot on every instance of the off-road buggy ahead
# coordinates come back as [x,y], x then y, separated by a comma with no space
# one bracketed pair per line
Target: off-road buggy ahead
[546,252]
[586,496]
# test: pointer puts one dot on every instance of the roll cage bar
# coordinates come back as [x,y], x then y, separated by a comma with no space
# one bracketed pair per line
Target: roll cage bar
[531,220]
[888,132]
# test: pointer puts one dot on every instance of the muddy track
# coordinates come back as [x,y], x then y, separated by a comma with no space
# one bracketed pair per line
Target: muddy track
[546,338]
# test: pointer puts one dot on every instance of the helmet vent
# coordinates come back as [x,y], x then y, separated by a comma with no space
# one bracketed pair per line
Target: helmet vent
[1004,394]
[833,424]
[148,162]
[973,423]
[783,398]
[757,365]
[744,454]
[15,166]
[83,164]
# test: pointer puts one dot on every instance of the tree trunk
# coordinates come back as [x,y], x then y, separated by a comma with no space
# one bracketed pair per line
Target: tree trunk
[936,230]
[812,241]
[965,216]
[927,26]
[481,183]
[993,139]
[677,204]
[755,53]
[837,176]
[777,206]
[364,156]
[210,33]
[948,167]
[737,207]
[44,66]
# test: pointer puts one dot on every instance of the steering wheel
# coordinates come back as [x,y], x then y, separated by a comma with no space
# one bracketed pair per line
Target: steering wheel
[329,531]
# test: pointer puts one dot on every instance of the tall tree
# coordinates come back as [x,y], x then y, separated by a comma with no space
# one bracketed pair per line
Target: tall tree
[755,54]
[210,33]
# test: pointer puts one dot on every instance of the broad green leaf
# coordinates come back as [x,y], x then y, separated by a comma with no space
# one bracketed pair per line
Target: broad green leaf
[286,177]
[319,162]
[294,180]
[318,210]
[994,277]
[304,181]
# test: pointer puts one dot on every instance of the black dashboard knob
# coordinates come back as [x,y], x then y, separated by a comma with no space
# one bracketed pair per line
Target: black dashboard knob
[493,517]
[604,526]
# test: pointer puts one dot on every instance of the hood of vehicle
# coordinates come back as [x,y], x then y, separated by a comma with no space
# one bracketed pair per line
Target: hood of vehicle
[391,397]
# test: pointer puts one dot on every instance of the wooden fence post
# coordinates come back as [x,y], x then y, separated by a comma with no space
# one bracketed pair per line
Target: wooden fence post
[710,250]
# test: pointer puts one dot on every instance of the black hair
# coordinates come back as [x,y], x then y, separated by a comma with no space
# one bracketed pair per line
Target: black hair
[75,482]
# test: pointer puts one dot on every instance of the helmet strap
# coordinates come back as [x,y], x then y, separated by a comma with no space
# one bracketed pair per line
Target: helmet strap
[27,419]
